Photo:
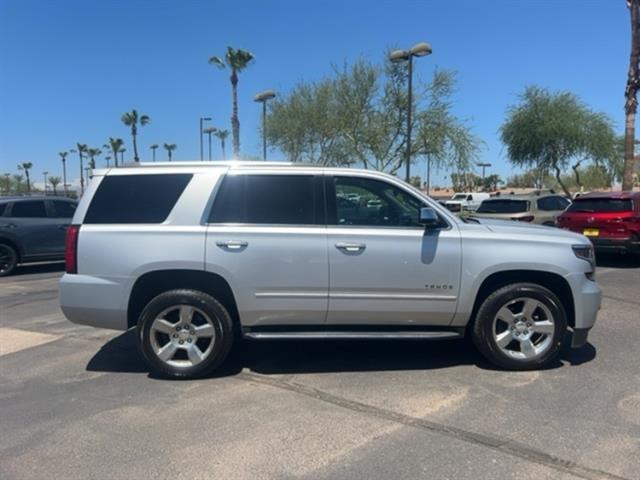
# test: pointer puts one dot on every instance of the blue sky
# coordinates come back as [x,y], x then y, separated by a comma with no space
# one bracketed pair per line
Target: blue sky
[70,68]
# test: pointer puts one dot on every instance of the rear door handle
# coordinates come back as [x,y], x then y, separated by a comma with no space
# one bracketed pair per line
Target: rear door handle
[232,244]
[63,227]
[8,225]
[351,247]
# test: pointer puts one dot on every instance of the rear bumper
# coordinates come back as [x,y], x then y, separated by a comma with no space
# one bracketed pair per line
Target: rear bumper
[629,244]
[94,301]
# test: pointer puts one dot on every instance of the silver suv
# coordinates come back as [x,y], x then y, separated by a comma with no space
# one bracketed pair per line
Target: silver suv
[196,256]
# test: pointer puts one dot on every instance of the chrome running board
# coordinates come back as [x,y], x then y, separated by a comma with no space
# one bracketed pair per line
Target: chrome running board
[353,335]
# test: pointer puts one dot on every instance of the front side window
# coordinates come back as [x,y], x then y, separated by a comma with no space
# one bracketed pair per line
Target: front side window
[375,203]
[268,200]
[29,209]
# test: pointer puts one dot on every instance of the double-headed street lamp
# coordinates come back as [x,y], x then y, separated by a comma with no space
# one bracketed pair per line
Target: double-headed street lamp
[45,181]
[209,131]
[202,120]
[418,50]
[263,97]
[483,165]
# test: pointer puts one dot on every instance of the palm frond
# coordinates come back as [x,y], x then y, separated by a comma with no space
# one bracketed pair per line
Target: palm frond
[217,61]
[145,119]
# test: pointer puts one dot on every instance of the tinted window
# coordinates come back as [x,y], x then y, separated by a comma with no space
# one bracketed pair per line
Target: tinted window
[378,204]
[503,206]
[63,209]
[601,205]
[548,204]
[3,207]
[136,198]
[268,199]
[29,209]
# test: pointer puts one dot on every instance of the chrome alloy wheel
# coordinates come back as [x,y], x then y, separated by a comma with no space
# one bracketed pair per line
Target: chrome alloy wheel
[523,328]
[182,336]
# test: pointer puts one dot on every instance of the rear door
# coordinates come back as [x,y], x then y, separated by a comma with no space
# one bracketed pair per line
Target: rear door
[384,267]
[62,211]
[33,228]
[267,236]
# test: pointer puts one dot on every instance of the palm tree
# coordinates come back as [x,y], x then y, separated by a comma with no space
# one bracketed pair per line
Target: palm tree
[631,94]
[222,135]
[17,179]
[236,60]
[63,157]
[153,148]
[54,181]
[170,147]
[26,166]
[92,153]
[81,149]
[115,144]
[7,182]
[132,119]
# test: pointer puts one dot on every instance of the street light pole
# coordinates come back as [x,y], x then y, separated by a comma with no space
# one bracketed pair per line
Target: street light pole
[209,131]
[45,181]
[263,97]
[418,50]
[202,120]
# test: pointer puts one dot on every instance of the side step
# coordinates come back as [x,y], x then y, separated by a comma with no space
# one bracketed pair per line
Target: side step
[354,335]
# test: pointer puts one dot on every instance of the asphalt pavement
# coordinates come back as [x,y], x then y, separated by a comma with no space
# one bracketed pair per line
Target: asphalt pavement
[79,403]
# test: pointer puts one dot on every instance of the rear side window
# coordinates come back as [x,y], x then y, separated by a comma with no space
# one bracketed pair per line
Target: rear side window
[29,209]
[3,207]
[592,205]
[268,199]
[503,206]
[63,209]
[136,198]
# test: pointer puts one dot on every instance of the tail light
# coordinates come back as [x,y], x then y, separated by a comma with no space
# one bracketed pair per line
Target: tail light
[528,218]
[71,249]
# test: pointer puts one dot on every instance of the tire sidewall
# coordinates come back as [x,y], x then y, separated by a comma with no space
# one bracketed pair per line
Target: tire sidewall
[483,331]
[14,263]
[209,305]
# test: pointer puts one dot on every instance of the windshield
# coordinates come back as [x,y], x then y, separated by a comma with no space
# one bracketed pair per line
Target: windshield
[459,196]
[603,205]
[503,206]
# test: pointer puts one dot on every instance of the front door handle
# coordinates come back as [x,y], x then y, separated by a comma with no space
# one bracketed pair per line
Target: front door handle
[351,247]
[232,244]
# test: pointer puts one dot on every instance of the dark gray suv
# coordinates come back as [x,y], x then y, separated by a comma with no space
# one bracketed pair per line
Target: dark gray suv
[32,229]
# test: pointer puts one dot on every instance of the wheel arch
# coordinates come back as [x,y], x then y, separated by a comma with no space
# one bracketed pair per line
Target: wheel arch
[13,244]
[153,283]
[552,281]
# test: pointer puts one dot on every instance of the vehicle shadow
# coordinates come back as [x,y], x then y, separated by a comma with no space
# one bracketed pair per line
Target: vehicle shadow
[612,260]
[280,357]
[33,268]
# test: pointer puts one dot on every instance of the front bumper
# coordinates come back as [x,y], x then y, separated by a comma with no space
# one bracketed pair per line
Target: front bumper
[587,298]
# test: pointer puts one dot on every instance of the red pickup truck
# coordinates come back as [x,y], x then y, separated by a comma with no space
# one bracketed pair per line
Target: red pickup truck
[611,220]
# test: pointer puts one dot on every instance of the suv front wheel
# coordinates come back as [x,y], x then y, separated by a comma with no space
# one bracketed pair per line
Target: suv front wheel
[184,334]
[520,327]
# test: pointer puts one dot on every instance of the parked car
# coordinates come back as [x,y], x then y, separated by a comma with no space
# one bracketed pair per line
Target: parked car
[466,202]
[532,208]
[194,255]
[611,220]
[32,229]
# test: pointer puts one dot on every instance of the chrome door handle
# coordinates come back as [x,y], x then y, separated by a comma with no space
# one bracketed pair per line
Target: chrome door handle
[351,247]
[232,244]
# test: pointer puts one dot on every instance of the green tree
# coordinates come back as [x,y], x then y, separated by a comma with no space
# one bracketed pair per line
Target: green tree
[92,153]
[552,131]
[54,181]
[222,136]
[115,144]
[17,181]
[132,120]
[631,96]
[170,147]
[236,60]
[7,183]
[81,149]
[26,167]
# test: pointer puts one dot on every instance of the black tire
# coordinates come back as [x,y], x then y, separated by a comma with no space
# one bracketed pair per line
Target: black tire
[483,334]
[216,312]
[8,259]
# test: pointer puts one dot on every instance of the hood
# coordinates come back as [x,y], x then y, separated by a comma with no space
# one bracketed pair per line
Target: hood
[509,227]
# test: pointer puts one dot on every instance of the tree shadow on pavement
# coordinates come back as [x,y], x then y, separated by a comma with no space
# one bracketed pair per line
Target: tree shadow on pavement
[281,357]
[612,260]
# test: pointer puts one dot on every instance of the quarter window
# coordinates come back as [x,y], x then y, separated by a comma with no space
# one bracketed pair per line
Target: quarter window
[367,202]
[64,209]
[268,200]
[29,209]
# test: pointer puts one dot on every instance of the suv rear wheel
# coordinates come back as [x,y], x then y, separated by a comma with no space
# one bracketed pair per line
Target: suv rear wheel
[184,334]
[520,327]
[8,259]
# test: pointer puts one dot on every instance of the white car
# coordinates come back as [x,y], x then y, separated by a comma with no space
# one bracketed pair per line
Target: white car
[466,202]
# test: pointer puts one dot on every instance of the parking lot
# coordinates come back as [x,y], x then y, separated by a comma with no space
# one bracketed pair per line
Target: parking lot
[77,402]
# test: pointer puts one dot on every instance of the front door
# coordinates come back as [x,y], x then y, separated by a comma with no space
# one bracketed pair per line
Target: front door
[385,268]
[267,236]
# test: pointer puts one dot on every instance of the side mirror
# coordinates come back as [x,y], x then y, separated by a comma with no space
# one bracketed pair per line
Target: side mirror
[428,217]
